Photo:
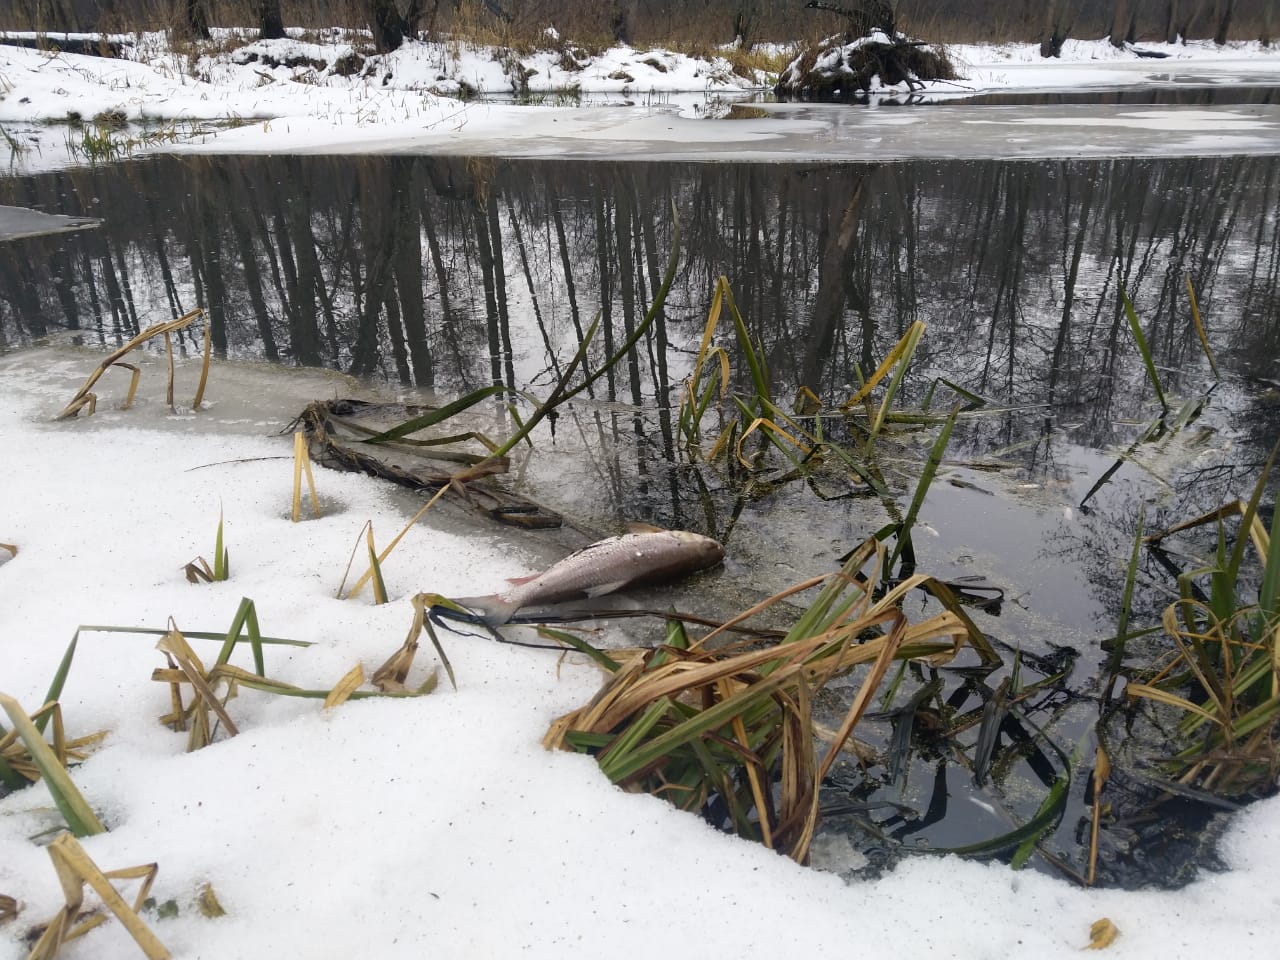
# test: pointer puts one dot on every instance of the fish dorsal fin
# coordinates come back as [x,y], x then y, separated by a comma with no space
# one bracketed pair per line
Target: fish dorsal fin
[518,581]
[600,589]
[636,526]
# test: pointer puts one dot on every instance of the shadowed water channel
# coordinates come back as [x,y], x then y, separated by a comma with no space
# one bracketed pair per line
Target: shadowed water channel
[449,274]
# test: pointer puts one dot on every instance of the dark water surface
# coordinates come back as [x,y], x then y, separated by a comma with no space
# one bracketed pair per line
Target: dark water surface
[450,274]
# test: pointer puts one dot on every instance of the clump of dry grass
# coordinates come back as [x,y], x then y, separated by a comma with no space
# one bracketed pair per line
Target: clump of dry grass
[718,729]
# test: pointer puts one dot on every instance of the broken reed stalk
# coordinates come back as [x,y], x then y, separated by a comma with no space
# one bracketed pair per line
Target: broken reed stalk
[301,464]
[198,400]
[386,552]
[84,398]
[76,870]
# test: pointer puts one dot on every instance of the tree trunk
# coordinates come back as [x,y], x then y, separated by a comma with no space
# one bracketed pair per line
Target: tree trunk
[387,25]
[1225,10]
[1057,23]
[193,20]
[270,20]
[1120,20]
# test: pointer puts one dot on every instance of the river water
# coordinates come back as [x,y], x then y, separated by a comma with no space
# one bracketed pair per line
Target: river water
[438,275]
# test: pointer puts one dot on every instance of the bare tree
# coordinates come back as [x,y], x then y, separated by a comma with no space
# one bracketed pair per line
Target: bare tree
[270,20]
[1223,12]
[1058,16]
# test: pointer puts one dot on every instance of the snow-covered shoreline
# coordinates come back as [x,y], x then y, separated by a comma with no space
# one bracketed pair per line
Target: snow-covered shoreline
[293,95]
[437,825]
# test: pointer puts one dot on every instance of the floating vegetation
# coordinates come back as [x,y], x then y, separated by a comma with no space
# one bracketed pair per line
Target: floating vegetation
[85,399]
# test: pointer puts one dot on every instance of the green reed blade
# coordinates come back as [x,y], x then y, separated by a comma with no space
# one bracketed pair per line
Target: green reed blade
[81,820]
[922,487]
[1115,655]
[1200,331]
[1143,348]
[433,417]
[59,680]
[577,643]
[187,634]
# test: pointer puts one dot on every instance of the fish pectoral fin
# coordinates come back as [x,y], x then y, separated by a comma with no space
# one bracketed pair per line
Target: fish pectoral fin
[600,589]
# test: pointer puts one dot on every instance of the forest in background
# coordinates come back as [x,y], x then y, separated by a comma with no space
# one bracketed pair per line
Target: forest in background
[687,25]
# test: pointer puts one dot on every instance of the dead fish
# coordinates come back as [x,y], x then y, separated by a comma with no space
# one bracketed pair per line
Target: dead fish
[600,568]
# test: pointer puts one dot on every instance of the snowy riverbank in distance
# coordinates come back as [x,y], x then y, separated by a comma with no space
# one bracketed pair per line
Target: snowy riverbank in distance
[303,95]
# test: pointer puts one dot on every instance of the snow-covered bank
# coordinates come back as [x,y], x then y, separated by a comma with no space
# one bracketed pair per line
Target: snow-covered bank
[400,827]
[290,95]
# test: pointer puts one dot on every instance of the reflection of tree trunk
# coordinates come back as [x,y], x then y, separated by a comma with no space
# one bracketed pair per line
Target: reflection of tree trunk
[252,279]
[375,254]
[209,267]
[450,335]
[408,267]
[1063,341]
[298,260]
[604,262]
[395,335]
[1012,246]
[18,282]
[487,271]
[571,288]
[833,272]
[63,274]
[624,259]
[518,234]
[500,287]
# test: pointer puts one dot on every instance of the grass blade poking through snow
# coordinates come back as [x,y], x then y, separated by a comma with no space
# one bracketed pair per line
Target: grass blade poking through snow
[81,820]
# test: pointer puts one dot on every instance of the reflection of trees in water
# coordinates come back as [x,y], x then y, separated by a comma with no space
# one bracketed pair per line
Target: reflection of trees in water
[460,272]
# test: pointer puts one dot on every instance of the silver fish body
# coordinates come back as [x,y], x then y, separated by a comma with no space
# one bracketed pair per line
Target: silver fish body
[603,567]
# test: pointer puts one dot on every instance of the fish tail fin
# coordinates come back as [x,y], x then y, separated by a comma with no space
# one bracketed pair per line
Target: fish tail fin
[492,611]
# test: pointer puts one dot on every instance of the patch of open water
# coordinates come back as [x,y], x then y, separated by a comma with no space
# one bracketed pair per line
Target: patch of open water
[436,276]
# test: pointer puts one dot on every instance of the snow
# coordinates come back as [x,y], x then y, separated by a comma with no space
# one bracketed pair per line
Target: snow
[400,827]
[435,825]
[249,99]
